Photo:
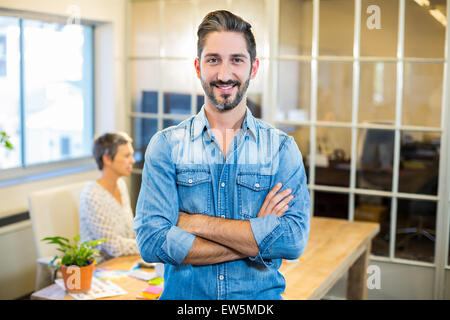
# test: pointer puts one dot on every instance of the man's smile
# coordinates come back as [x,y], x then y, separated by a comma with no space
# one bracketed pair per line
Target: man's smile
[225,88]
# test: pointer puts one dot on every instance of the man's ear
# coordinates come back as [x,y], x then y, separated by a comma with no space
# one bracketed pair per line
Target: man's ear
[197,66]
[255,67]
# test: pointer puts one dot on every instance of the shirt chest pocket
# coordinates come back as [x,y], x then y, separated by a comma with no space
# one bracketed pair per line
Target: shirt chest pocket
[252,190]
[194,191]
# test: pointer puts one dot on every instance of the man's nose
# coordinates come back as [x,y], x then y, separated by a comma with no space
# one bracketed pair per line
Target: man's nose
[224,73]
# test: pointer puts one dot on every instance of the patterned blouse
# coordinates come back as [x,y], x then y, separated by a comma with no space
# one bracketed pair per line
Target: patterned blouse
[103,217]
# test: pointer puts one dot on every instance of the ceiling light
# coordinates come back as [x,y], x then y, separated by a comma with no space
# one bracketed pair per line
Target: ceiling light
[439,16]
[423,3]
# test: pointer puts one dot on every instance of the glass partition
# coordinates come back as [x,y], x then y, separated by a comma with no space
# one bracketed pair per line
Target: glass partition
[296,15]
[334,93]
[416,230]
[379,28]
[294,91]
[377,92]
[375,209]
[422,94]
[427,38]
[333,156]
[336,21]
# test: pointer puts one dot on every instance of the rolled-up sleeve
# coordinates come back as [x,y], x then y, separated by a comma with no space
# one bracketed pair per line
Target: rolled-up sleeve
[157,236]
[285,237]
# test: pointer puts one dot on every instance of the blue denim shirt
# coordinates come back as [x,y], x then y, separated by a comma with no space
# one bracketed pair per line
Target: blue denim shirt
[185,170]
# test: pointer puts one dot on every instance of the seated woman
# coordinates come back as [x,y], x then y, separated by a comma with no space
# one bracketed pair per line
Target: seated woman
[105,210]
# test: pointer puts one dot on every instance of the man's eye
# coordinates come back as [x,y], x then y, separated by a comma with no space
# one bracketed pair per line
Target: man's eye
[212,60]
[237,60]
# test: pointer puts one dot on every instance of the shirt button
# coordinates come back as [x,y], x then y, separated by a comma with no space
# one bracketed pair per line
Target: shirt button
[256,185]
[222,184]
[221,277]
[190,180]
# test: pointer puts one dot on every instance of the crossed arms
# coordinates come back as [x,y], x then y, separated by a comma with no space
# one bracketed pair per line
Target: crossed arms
[219,240]
[280,229]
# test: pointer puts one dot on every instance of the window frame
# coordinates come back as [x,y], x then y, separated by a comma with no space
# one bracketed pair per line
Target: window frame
[26,173]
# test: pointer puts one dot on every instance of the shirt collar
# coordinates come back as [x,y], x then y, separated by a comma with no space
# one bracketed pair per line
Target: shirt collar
[200,122]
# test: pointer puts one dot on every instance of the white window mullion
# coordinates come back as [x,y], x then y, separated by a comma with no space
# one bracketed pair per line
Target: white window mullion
[398,122]
[355,106]
[314,87]
[195,4]
[443,219]
[269,67]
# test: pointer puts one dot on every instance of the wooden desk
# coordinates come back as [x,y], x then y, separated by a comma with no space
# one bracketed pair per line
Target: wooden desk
[335,246]
[131,285]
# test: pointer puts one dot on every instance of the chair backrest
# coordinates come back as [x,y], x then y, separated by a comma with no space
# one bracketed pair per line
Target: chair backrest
[54,212]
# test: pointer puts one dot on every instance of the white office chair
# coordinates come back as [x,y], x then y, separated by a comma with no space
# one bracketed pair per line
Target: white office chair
[53,212]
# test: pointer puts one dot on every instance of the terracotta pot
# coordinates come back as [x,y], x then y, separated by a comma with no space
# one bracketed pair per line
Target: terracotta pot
[77,279]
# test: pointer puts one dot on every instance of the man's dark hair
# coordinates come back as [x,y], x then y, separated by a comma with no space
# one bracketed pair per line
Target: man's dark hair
[108,144]
[223,20]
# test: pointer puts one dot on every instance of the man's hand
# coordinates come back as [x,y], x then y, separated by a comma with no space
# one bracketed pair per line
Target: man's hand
[276,203]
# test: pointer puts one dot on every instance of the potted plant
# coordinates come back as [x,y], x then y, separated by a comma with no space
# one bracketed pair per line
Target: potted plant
[77,262]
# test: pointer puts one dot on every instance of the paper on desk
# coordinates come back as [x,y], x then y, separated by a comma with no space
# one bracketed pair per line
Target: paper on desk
[106,274]
[142,275]
[291,260]
[99,289]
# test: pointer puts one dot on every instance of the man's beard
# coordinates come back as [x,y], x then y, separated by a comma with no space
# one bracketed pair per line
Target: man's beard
[228,103]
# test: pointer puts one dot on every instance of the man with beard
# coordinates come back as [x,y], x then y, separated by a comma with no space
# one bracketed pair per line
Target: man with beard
[223,197]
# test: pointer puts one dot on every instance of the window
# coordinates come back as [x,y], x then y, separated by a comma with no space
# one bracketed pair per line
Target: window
[373,122]
[46,89]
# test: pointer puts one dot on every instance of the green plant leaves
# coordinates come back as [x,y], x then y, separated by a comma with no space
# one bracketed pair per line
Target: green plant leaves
[4,139]
[67,259]
[80,254]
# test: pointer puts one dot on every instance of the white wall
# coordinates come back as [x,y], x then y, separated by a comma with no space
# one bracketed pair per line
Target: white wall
[397,282]
[17,265]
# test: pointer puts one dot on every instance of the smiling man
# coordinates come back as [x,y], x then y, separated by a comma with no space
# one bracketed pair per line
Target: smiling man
[223,197]
[226,76]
